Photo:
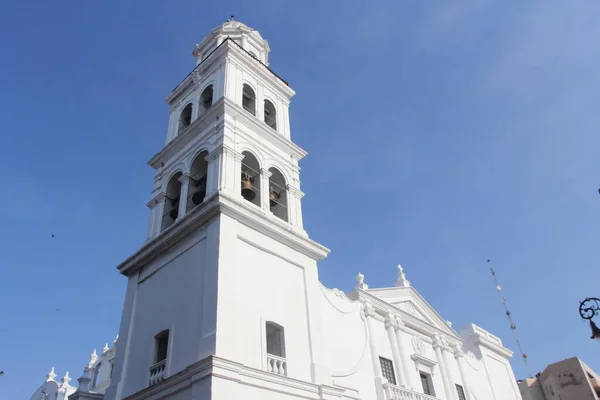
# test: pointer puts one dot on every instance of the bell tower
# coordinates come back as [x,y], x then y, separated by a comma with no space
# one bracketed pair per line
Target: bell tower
[227,276]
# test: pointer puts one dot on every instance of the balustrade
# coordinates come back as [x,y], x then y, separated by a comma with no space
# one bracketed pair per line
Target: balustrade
[276,365]
[393,392]
[157,372]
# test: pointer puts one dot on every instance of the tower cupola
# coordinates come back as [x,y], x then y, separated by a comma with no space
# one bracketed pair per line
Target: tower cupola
[246,37]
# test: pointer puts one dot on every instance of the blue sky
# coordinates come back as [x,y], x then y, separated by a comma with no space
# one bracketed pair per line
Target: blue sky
[440,134]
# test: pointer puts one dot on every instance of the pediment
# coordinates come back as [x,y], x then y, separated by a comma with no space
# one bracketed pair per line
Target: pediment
[410,301]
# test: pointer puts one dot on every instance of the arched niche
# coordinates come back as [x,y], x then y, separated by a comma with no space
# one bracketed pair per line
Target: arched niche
[197,184]
[171,209]
[278,203]
[250,178]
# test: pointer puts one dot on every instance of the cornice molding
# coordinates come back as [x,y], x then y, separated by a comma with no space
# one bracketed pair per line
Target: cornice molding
[294,192]
[199,127]
[222,203]
[157,199]
[263,130]
[214,367]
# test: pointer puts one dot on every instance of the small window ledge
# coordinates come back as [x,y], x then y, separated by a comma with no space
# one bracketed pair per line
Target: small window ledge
[423,363]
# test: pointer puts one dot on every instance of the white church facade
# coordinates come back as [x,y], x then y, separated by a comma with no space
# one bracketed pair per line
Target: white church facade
[223,300]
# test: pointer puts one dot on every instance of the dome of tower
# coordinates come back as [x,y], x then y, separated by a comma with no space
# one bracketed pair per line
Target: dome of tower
[247,38]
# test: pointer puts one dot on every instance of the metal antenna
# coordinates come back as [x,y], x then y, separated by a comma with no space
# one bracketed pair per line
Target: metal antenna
[513,327]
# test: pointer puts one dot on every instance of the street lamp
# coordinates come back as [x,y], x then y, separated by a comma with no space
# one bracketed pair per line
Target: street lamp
[588,309]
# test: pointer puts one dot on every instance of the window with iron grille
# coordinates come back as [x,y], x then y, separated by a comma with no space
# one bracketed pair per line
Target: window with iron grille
[461,392]
[427,384]
[387,369]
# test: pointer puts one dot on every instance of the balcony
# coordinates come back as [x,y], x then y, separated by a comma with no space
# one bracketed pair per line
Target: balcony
[393,392]
[157,372]
[276,365]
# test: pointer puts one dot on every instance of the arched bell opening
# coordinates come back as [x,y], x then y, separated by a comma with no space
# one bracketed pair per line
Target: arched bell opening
[185,118]
[270,115]
[249,99]
[278,194]
[206,100]
[197,185]
[250,178]
[171,209]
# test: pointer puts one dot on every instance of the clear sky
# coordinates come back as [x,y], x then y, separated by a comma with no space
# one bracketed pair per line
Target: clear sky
[440,134]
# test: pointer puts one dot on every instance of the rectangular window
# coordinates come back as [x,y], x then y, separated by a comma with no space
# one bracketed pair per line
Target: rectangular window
[427,384]
[461,392]
[162,344]
[275,340]
[387,369]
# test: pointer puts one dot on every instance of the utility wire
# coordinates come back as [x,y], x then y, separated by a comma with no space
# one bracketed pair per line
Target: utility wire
[513,327]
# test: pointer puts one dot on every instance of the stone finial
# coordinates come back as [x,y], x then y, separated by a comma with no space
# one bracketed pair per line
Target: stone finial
[51,375]
[401,281]
[105,348]
[360,279]
[93,358]
[65,380]
[116,338]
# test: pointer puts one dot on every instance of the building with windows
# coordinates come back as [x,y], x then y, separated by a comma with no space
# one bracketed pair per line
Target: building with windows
[569,379]
[223,299]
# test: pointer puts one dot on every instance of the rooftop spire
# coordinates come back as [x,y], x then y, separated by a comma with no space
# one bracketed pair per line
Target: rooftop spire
[51,375]
[93,358]
[105,348]
[401,281]
[65,380]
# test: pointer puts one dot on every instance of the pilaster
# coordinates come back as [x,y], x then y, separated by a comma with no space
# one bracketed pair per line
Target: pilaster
[390,327]
[369,314]
[451,382]
[460,359]
[400,329]
[157,207]
[295,205]
[438,346]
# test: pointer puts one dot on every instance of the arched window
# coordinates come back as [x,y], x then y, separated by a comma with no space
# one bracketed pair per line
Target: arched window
[197,188]
[278,194]
[185,119]
[206,100]
[250,178]
[171,210]
[249,99]
[270,115]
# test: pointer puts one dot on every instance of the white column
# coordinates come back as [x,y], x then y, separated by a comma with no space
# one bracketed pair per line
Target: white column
[459,356]
[400,328]
[390,325]
[264,189]
[437,345]
[451,382]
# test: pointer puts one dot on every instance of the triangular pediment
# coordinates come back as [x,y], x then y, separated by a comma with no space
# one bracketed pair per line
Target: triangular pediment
[410,301]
